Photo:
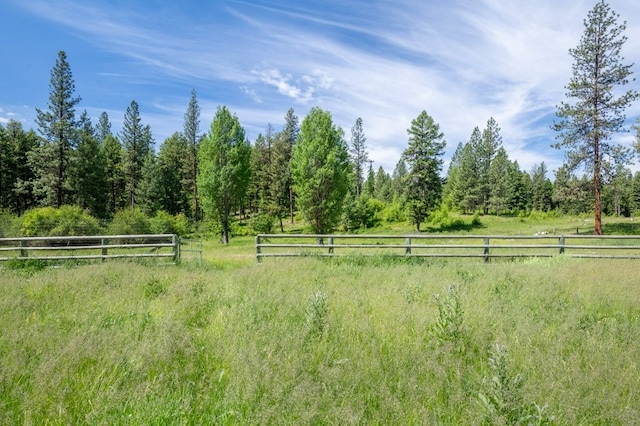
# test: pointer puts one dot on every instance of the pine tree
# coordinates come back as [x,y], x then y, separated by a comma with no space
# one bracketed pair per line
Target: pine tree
[424,158]
[586,127]
[359,155]
[57,127]
[291,131]
[113,156]
[191,132]
[173,166]
[137,143]
[87,174]
[499,182]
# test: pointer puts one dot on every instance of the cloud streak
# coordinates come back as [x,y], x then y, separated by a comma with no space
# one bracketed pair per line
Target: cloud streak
[384,62]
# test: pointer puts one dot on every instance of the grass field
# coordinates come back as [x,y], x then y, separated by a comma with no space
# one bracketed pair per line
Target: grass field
[321,341]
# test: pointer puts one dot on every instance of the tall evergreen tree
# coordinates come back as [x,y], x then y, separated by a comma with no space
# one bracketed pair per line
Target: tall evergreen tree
[541,188]
[137,142]
[87,174]
[57,126]
[103,128]
[149,190]
[113,156]
[192,135]
[398,178]
[359,155]
[225,168]
[487,149]
[470,188]
[17,175]
[499,183]
[173,166]
[280,175]
[585,128]
[320,169]
[291,131]
[424,157]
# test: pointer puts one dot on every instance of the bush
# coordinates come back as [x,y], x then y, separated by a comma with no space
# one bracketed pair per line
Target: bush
[164,223]
[264,224]
[9,225]
[65,221]
[394,213]
[130,222]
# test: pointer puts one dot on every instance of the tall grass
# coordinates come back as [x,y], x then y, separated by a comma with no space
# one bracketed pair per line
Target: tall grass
[312,341]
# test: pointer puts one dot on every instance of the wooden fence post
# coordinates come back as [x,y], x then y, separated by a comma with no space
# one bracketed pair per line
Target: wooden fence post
[176,247]
[23,252]
[561,243]
[330,245]
[258,249]
[104,243]
[407,243]
[486,250]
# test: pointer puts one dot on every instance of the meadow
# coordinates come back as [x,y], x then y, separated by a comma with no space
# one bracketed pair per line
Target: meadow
[352,340]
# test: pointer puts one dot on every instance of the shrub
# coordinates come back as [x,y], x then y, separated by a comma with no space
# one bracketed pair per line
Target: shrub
[263,224]
[65,221]
[130,222]
[394,213]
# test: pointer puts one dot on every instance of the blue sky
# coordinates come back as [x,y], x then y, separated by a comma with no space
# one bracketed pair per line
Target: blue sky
[384,61]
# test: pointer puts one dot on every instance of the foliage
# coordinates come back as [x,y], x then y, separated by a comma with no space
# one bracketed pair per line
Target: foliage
[130,222]
[137,143]
[224,174]
[316,314]
[423,156]
[585,128]
[164,223]
[320,169]
[264,224]
[63,221]
[57,126]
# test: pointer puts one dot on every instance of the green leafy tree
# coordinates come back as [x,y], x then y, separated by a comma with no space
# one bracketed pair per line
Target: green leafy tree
[321,170]
[225,168]
[137,142]
[424,158]
[635,193]
[87,172]
[191,132]
[57,126]
[585,127]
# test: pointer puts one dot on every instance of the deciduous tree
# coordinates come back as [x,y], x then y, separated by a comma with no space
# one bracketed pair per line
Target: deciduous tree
[225,168]
[320,169]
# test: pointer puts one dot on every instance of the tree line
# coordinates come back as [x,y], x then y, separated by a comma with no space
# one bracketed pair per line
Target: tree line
[310,168]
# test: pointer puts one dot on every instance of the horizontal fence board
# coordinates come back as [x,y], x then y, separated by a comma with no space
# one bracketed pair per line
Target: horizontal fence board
[105,247]
[471,246]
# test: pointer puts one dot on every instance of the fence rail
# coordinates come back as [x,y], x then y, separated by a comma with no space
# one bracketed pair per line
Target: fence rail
[91,247]
[470,246]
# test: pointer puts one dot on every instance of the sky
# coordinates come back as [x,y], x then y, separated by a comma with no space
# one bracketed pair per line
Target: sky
[385,61]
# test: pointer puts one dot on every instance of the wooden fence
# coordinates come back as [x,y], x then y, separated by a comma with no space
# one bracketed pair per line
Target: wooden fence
[469,246]
[91,247]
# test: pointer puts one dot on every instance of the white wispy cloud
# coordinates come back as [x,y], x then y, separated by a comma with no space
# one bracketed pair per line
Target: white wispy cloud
[384,62]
